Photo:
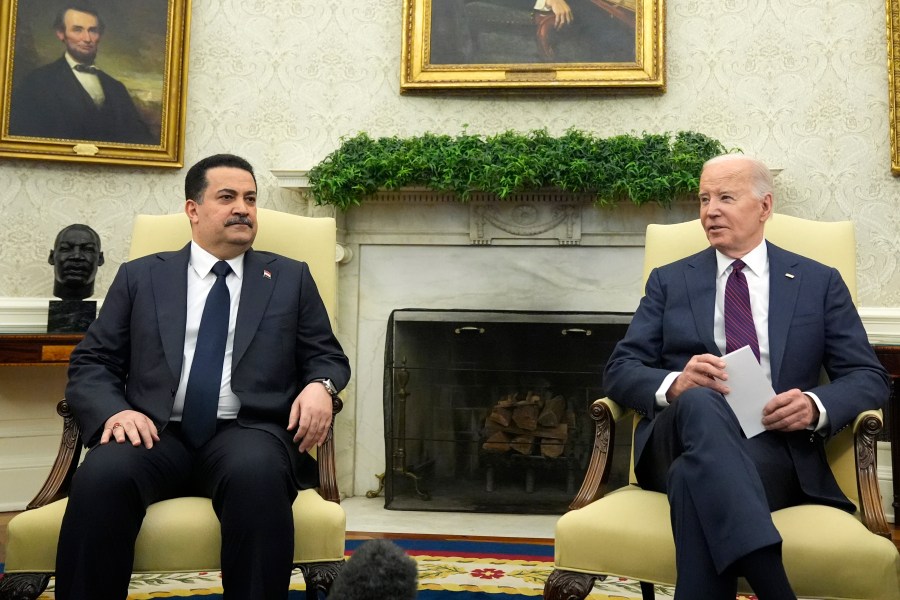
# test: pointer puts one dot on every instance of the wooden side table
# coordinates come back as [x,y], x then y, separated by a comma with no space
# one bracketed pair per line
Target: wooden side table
[890,358]
[30,349]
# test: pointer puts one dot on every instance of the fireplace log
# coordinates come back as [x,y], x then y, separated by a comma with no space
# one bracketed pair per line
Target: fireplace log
[560,432]
[501,416]
[554,412]
[523,444]
[525,415]
[552,448]
[498,441]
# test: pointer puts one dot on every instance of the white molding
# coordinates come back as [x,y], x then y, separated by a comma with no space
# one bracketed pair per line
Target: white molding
[292,179]
[28,315]
[882,324]
[25,315]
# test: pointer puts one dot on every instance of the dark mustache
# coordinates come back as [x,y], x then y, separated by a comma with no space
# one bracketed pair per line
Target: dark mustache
[242,220]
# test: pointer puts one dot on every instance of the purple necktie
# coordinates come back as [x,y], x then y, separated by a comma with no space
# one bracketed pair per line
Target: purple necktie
[739,328]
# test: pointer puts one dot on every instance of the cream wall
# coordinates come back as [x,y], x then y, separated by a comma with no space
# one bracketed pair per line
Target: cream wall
[801,84]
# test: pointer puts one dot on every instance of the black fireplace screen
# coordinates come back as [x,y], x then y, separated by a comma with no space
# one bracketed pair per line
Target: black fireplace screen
[487,411]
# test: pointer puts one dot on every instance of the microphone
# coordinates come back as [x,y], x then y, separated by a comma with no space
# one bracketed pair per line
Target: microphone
[378,569]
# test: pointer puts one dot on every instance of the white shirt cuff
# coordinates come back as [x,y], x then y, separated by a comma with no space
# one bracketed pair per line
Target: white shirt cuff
[823,415]
[664,387]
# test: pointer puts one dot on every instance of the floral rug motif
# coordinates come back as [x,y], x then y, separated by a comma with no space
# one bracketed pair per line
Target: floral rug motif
[455,569]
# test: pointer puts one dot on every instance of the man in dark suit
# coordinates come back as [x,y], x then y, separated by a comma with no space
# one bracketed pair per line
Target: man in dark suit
[71,98]
[721,485]
[132,391]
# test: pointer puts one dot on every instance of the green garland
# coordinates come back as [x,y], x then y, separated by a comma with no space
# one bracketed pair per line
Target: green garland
[646,168]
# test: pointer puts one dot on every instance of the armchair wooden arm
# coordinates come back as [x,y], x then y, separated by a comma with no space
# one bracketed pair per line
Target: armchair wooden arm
[67,457]
[866,428]
[605,414]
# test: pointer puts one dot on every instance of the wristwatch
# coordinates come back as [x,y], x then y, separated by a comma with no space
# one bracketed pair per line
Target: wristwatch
[329,386]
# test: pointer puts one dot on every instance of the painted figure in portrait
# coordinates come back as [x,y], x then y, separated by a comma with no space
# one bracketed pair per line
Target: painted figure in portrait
[75,96]
[532,31]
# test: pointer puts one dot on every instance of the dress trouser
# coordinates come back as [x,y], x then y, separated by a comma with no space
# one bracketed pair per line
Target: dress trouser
[721,487]
[246,472]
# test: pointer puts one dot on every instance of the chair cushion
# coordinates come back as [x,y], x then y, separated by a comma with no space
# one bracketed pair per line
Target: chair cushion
[181,534]
[828,552]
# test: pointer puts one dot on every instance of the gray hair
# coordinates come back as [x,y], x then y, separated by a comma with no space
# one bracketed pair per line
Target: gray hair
[760,175]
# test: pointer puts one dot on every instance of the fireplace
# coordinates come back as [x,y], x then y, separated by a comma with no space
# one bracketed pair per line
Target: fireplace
[487,411]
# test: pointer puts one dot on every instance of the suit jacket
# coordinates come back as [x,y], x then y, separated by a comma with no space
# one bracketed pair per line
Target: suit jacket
[131,356]
[50,102]
[812,325]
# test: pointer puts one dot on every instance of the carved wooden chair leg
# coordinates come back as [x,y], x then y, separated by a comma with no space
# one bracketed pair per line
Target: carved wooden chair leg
[319,577]
[569,585]
[23,586]
[647,591]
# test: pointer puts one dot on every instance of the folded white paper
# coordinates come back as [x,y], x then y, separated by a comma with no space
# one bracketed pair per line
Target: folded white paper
[750,389]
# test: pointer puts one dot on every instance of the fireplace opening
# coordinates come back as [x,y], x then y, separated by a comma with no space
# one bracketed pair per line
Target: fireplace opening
[487,411]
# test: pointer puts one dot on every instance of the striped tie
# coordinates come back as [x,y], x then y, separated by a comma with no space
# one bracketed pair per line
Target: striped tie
[739,328]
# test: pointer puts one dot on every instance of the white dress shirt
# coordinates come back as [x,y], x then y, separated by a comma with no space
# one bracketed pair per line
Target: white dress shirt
[200,280]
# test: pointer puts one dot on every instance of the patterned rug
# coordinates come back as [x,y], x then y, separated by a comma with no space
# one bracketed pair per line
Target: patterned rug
[449,569]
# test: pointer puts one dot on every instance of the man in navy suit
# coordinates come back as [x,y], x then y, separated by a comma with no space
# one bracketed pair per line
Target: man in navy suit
[129,389]
[722,486]
[71,98]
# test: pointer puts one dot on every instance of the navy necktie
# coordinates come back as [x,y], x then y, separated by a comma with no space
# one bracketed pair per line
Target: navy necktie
[739,328]
[201,399]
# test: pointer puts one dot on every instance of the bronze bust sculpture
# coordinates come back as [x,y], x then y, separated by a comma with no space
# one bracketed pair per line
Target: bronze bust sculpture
[75,257]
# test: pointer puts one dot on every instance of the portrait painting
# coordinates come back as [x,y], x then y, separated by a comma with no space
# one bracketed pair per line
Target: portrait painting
[94,80]
[532,44]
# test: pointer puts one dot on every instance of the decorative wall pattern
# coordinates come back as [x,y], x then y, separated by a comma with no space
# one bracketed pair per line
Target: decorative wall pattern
[802,84]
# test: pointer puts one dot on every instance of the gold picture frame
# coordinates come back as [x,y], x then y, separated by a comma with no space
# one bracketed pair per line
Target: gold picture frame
[521,45]
[893,39]
[130,110]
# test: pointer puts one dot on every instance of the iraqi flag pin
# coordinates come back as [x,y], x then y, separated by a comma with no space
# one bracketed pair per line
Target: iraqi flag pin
[267,274]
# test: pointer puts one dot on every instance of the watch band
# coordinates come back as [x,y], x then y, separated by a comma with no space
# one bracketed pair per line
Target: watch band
[329,385]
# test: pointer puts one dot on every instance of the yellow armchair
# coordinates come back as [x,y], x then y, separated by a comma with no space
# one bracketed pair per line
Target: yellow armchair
[827,552]
[182,534]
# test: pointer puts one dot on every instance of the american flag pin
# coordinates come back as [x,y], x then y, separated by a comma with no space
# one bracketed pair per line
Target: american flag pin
[789,275]
[267,274]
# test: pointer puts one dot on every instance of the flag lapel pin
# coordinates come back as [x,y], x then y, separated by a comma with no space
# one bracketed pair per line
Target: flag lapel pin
[267,274]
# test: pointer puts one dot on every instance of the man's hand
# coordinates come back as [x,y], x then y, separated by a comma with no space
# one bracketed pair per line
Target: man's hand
[790,411]
[703,370]
[131,426]
[311,416]
[561,11]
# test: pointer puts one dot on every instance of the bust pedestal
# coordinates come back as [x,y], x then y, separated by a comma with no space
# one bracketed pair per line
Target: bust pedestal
[70,316]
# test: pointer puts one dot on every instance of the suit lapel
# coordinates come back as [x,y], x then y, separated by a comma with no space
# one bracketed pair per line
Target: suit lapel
[169,285]
[700,279]
[783,291]
[256,289]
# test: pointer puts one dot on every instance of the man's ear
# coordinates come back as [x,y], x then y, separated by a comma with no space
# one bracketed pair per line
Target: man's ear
[50,258]
[766,202]
[190,209]
[100,260]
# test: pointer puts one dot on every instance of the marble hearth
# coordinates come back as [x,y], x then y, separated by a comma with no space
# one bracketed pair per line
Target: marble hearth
[428,251]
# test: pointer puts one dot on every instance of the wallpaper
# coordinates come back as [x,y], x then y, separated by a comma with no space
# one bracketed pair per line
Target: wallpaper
[802,84]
